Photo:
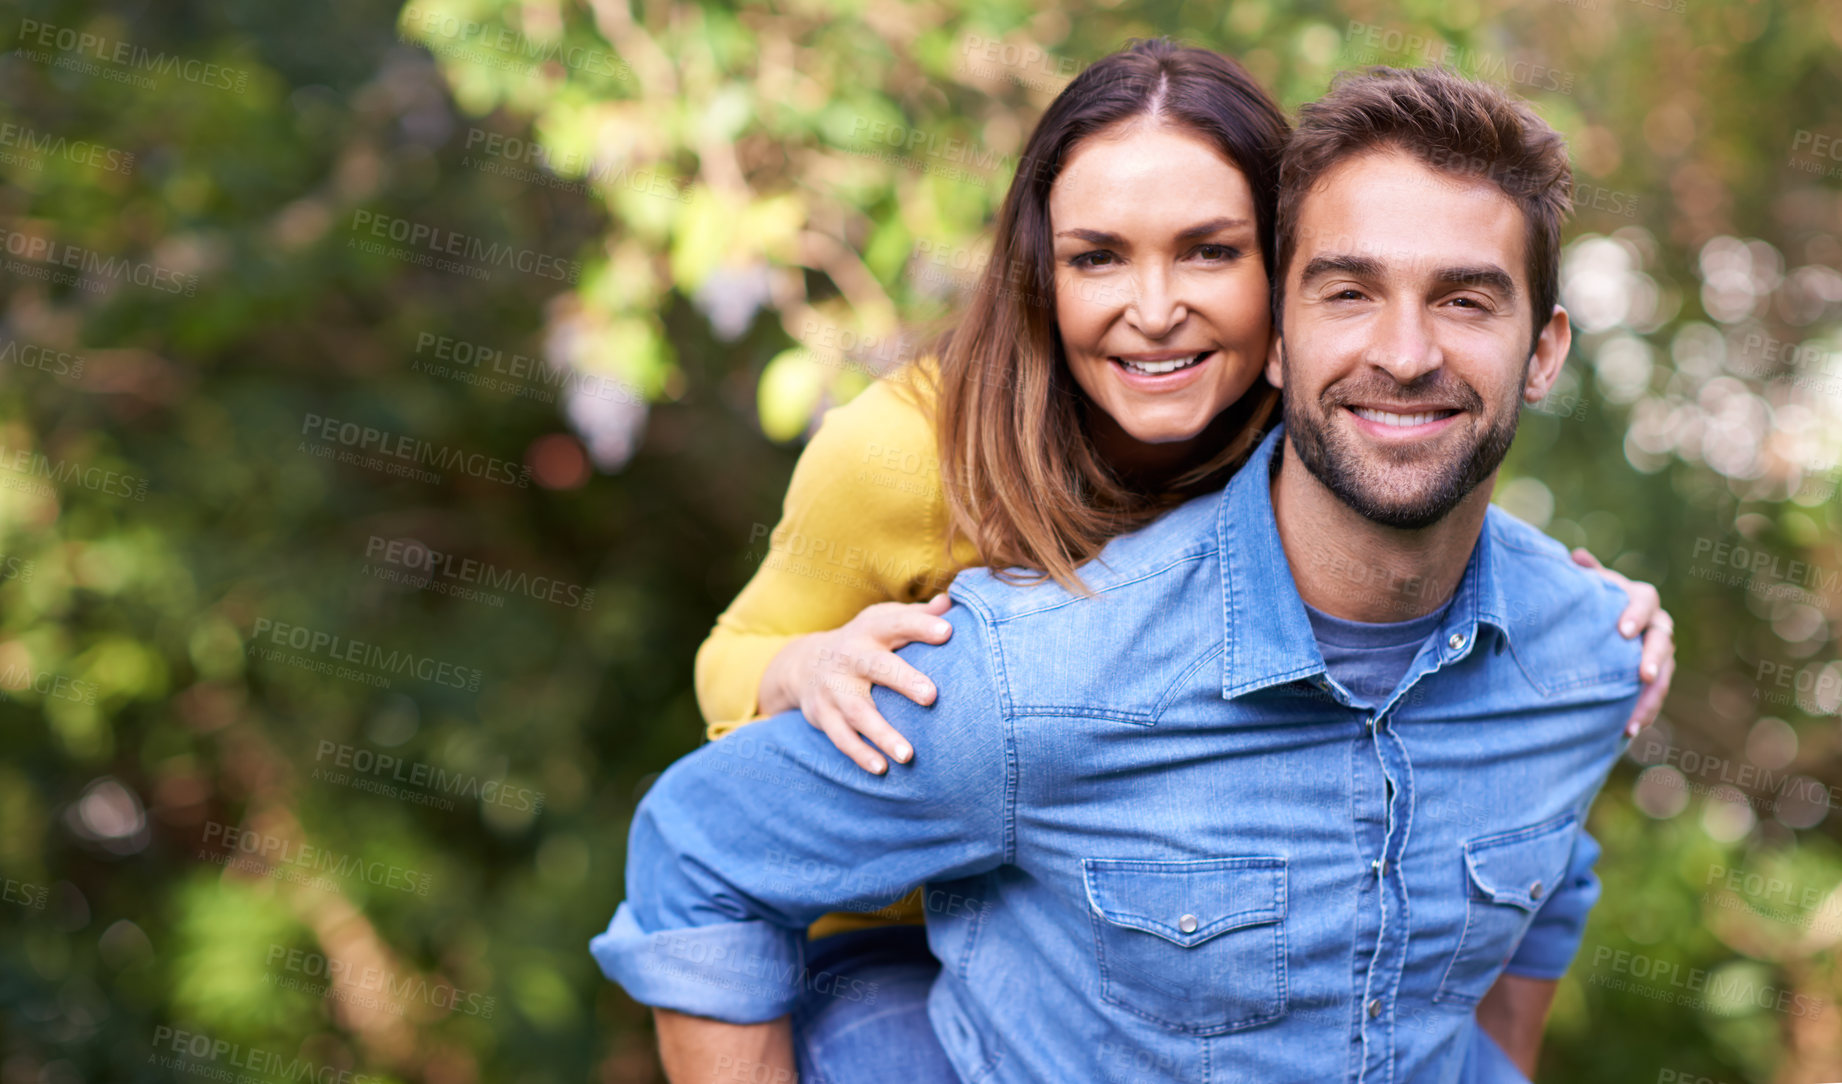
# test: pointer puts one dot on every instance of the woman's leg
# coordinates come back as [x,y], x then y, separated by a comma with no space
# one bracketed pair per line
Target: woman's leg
[862,1018]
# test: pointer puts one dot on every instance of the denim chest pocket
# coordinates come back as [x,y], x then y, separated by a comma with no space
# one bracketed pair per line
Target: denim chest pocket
[1508,876]
[1196,946]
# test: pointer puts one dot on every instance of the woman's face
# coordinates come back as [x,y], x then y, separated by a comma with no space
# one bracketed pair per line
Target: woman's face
[1160,292]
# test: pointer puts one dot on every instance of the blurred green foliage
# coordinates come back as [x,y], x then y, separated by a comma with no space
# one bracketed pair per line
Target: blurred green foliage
[699,226]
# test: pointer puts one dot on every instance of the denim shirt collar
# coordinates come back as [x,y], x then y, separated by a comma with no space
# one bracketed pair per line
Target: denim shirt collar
[1268,639]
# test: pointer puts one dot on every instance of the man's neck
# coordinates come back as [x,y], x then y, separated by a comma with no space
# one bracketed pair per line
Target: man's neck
[1354,568]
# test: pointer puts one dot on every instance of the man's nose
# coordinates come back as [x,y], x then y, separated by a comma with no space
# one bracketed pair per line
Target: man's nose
[1404,343]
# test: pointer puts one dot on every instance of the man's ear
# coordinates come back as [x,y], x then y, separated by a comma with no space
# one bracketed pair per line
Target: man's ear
[1550,354]
[1275,359]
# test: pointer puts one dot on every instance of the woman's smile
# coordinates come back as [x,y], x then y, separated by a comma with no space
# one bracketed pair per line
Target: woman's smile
[1162,363]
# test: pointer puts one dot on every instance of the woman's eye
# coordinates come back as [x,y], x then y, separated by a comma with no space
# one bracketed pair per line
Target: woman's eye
[1217,252]
[1097,258]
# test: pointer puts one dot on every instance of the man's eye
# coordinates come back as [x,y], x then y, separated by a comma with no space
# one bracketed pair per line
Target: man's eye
[1468,302]
[1347,295]
[1097,258]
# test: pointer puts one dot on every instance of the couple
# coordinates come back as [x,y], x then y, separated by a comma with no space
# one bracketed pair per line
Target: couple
[1288,781]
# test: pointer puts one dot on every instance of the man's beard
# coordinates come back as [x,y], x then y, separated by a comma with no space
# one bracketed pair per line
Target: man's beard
[1390,486]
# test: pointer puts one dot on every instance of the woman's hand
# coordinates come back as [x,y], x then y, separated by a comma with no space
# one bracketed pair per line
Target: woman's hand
[1644,613]
[827,675]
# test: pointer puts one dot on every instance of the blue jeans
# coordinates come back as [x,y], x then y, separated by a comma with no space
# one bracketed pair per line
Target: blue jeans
[889,1037]
[1486,1063]
[839,1041]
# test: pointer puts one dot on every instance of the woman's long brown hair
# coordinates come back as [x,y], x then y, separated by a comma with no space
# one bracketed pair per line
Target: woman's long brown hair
[1022,479]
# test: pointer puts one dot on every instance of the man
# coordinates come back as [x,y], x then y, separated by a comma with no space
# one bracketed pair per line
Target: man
[1299,795]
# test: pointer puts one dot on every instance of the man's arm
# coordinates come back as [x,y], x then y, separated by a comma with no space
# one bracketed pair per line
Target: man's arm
[740,845]
[695,1050]
[1515,1009]
[1553,937]
[1513,1014]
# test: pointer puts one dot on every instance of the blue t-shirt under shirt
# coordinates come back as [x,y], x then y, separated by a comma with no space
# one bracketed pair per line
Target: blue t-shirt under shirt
[1367,658]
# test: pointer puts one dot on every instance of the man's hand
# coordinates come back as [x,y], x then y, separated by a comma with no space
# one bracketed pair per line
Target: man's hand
[1513,1013]
[698,1050]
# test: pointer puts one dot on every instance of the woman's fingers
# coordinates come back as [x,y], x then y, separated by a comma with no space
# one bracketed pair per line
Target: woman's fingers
[891,624]
[842,667]
[1659,646]
[849,670]
[914,621]
[1650,701]
[1642,601]
[830,722]
[862,717]
[1657,667]
[1642,610]
[891,672]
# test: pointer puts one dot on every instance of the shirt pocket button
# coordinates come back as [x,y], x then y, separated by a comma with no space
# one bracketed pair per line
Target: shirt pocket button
[1197,946]
[1507,875]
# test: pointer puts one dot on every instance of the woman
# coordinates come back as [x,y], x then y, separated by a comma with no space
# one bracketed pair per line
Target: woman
[1108,368]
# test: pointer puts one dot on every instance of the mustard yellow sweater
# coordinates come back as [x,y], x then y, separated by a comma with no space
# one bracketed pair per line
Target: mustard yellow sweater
[865,521]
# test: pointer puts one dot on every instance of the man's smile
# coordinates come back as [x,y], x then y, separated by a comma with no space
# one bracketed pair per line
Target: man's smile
[1402,424]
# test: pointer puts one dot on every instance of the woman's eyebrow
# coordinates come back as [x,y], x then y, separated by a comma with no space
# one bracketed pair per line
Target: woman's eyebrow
[1093,237]
[1190,233]
[1211,227]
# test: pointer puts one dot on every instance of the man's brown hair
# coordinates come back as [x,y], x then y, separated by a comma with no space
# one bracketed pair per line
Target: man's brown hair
[1453,124]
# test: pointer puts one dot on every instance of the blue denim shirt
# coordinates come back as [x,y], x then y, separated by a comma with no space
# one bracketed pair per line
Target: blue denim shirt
[1159,843]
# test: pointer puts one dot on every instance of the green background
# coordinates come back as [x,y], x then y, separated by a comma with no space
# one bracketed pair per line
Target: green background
[748,247]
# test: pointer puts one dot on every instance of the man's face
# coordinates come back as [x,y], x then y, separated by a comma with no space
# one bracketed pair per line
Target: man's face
[1406,336]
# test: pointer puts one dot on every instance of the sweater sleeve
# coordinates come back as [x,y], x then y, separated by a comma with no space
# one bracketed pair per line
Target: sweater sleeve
[864,521]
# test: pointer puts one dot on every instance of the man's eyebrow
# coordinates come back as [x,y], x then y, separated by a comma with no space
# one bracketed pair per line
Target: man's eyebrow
[1340,264]
[1483,277]
[1479,276]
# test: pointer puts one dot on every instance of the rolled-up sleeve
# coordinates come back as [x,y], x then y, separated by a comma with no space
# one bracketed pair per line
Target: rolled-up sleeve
[741,844]
[741,972]
[1549,945]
